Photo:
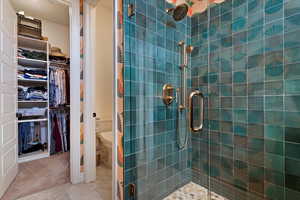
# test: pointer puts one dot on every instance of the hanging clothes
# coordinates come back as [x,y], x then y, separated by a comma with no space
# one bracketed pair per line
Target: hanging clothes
[32,137]
[59,87]
[60,131]
[59,96]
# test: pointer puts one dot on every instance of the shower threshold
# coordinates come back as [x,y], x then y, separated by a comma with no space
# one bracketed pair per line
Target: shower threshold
[193,191]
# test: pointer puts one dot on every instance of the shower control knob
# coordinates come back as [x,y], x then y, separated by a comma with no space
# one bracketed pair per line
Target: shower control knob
[168,94]
[94,115]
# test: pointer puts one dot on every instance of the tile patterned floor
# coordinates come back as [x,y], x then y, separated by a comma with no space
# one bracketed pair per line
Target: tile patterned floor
[101,189]
[193,191]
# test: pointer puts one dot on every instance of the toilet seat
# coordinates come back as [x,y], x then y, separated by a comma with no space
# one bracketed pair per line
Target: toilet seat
[106,138]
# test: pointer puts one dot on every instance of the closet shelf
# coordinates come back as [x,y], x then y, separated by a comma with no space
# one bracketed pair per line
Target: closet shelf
[39,50]
[27,62]
[32,80]
[33,156]
[58,63]
[33,120]
[33,101]
[60,107]
[28,42]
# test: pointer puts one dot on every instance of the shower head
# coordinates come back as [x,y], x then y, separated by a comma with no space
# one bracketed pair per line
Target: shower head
[179,12]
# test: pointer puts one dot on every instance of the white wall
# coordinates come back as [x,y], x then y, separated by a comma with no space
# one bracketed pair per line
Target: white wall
[58,35]
[104,62]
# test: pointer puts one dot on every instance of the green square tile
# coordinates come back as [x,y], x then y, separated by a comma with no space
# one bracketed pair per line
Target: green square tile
[292,71]
[292,103]
[274,103]
[255,117]
[274,162]
[292,167]
[240,116]
[274,132]
[239,102]
[291,39]
[292,134]
[239,77]
[292,150]
[274,177]
[292,182]
[292,86]
[256,179]
[274,147]
[274,88]
[240,129]
[256,144]
[274,117]
[255,103]
[291,119]
[274,73]
[274,192]
[291,194]
[255,130]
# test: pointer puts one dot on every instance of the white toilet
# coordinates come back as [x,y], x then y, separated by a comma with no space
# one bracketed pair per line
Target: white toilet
[104,138]
[105,142]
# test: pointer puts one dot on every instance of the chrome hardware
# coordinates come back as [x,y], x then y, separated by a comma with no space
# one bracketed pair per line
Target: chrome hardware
[168,94]
[192,95]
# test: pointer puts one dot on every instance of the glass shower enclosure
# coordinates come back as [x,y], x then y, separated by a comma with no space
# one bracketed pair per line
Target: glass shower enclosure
[238,135]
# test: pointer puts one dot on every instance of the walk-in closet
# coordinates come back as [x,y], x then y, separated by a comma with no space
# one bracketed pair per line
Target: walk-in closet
[43,97]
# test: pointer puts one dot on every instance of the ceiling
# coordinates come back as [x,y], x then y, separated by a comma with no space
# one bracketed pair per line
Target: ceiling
[45,9]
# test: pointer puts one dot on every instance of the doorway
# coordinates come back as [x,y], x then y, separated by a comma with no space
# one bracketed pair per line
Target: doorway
[43,98]
[79,162]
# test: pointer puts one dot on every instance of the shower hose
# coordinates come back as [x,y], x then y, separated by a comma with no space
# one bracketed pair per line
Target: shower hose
[181,144]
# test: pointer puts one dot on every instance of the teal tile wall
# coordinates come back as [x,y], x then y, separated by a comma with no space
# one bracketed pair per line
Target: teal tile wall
[246,61]
[153,161]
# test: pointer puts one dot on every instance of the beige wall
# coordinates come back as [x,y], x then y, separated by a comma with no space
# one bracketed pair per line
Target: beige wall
[57,34]
[104,62]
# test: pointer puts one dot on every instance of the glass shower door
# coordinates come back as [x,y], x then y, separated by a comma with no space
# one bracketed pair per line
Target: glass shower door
[199,142]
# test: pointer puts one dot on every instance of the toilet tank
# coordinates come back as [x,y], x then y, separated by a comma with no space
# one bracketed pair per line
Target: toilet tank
[103,125]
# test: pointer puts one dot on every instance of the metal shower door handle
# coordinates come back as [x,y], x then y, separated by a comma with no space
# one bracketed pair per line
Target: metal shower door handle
[192,95]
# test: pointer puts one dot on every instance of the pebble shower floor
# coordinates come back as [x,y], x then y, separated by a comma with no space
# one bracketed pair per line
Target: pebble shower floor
[193,191]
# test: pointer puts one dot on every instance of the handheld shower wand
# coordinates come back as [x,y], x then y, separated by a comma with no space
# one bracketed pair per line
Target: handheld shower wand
[182,102]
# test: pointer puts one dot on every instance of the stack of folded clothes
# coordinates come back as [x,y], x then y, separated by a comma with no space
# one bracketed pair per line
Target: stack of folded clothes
[31,112]
[58,59]
[32,93]
[25,53]
[33,74]
[22,92]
